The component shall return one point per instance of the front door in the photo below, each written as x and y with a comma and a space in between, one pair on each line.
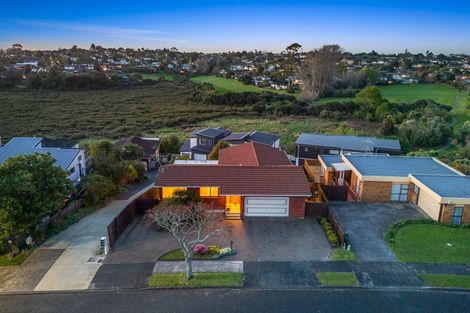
232, 207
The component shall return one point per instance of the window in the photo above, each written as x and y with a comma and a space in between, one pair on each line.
457, 217
79, 158
209, 191
416, 189
72, 170
358, 185
204, 142
168, 192
306, 149
399, 192
334, 151
322, 171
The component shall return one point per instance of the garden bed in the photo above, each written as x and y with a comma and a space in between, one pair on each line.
5, 260
198, 280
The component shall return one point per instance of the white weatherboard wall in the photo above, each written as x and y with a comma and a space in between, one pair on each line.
267, 206
429, 205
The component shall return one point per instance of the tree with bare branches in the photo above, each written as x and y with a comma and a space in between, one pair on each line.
318, 70
190, 223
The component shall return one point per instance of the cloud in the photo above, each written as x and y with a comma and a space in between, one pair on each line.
110, 31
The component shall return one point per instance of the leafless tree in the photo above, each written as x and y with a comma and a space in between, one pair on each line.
318, 70
190, 224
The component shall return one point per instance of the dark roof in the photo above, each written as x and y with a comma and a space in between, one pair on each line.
329, 159
253, 154
236, 136
213, 132
353, 143
186, 147
447, 186
264, 138
398, 166
286, 180
148, 145
202, 149
58, 143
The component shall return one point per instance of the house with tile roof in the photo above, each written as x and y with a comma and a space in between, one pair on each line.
249, 180
72, 160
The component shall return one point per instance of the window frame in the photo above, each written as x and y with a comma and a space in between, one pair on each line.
459, 216
399, 196
213, 192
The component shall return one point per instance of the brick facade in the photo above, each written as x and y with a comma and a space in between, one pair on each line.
297, 207
448, 213
375, 191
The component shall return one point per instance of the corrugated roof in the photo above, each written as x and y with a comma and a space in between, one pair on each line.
286, 180
253, 154
447, 186
397, 166
213, 132
29, 145
354, 143
236, 136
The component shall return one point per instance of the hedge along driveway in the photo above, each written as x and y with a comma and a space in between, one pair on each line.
432, 243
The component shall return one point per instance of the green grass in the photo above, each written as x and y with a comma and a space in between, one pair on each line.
157, 76
223, 85
178, 255
447, 281
429, 244
104, 113
340, 254
198, 280
5, 260
337, 278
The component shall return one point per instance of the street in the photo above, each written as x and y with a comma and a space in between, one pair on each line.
239, 300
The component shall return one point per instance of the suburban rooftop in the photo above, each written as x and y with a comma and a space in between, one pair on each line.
354, 143
398, 166
447, 186
253, 153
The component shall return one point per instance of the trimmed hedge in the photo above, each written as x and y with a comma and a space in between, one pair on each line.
391, 233
329, 230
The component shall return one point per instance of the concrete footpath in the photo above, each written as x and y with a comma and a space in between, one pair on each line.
78, 264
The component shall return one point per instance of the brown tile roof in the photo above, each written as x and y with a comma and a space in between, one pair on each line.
149, 145
283, 180
253, 154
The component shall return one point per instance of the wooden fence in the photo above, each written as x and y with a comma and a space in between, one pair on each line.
335, 193
337, 226
137, 207
316, 209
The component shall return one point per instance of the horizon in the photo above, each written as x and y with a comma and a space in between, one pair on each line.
212, 27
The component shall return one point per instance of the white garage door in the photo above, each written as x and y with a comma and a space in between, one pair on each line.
266, 206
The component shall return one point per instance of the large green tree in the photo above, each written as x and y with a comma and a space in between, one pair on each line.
31, 186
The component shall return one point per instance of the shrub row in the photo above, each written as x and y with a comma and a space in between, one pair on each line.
329, 230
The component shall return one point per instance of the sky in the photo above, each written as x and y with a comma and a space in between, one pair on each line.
225, 25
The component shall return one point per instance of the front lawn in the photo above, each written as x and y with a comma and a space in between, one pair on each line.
452, 281
178, 255
337, 278
5, 260
432, 243
198, 280
340, 254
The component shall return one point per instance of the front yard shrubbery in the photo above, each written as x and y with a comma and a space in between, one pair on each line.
200, 252
329, 230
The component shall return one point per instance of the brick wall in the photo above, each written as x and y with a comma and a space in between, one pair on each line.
297, 207
375, 191
448, 213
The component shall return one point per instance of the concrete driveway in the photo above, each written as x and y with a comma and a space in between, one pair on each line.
263, 239
366, 223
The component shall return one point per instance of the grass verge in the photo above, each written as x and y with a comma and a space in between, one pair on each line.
451, 281
178, 255
5, 260
340, 254
198, 280
337, 278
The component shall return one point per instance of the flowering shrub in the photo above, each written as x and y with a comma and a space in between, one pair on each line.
225, 251
200, 249
213, 249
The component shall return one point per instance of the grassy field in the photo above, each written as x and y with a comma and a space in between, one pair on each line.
432, 244
104, 113
157, 76
335, 279
446, 281
223, 85
198, 280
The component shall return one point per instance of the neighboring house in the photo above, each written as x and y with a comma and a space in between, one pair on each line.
71, 158
440, 191
309, 146
150, 146
200, 142
272, 140
249, 180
